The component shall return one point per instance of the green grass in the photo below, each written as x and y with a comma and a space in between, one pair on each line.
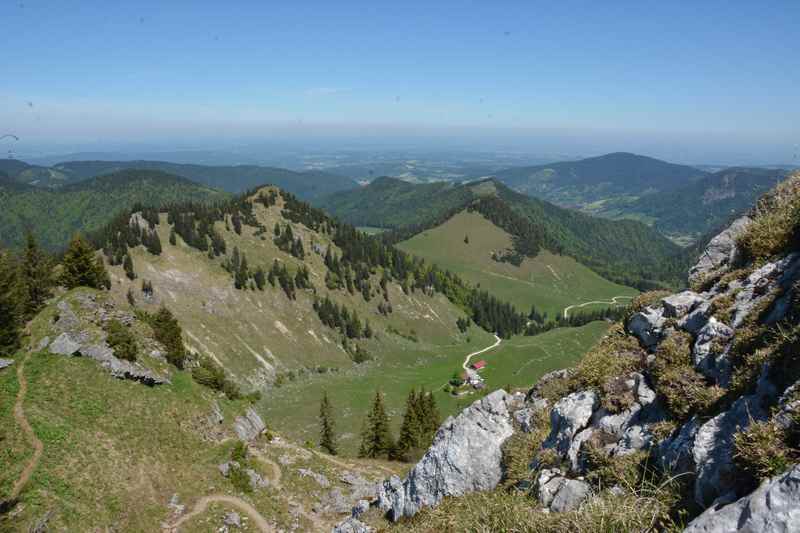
550, 282
519, 361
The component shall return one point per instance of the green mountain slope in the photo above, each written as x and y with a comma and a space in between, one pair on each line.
234, 179
53, 215
38, 176
578, 183
626, 252
467, 244
707, 204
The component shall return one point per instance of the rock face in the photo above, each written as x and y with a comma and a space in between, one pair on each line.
679, 305
465, 457
249, 426
721, 250
560, 494
774, 506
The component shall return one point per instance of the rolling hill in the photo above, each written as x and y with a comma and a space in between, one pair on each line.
626, 252
53, 215
234, 179
35, 175
578, 183
283, 338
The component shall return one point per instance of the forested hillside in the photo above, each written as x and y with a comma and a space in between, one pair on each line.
53, 215
578, 183
626, 252
233, 178
706, 204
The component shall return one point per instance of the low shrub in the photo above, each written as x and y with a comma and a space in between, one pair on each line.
776, 225
121, 340
761, 450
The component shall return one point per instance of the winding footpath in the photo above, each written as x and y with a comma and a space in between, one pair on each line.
473, 354
22, 421
613, 301
203, 503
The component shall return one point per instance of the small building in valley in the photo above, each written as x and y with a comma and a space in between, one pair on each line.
478, 365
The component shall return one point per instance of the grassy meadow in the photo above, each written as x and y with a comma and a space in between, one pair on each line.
550, 282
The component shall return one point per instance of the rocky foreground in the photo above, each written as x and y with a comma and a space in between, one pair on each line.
702, 387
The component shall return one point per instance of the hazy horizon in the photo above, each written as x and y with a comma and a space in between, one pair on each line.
707, 84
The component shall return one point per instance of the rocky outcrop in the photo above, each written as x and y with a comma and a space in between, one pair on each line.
721, 250
560, 494
249, 426
352, 525
648, 326
465, 457
710, 351
773, 506
568, 417
64, 344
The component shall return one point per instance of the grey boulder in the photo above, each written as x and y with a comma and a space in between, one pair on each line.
249, 426
679, 305
64, 344
569, 416
465, 457
6, 363
648, 326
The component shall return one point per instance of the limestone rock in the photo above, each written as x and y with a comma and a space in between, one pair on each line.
759, 286
465, 457
321, 480
548, 483
773, 506
716, 366
257, 481
679, 305
249, 426
555, 375
570, 495
352, 525
694, 321
648, 326
64, 344
361, 507
233, 519
713, 445
721, 250
674, 453
6, 363
569, 416
225, 468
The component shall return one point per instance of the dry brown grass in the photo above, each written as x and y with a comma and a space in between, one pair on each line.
776, 224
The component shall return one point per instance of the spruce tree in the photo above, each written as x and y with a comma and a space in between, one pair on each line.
127, 264
9, 308
327, 440
81, 268
376, 438
35, 280
411, 432
168, 332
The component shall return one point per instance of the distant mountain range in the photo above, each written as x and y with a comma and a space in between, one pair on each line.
234, 179
53, 215
680, 201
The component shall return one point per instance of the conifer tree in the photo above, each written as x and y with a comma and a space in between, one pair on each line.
376, 439
81, 269
411, 432
168, 332
327, 440
432, 419
127, 264
9, 309
260, 278
35, 280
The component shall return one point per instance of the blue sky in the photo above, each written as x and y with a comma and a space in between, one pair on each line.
682, 77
